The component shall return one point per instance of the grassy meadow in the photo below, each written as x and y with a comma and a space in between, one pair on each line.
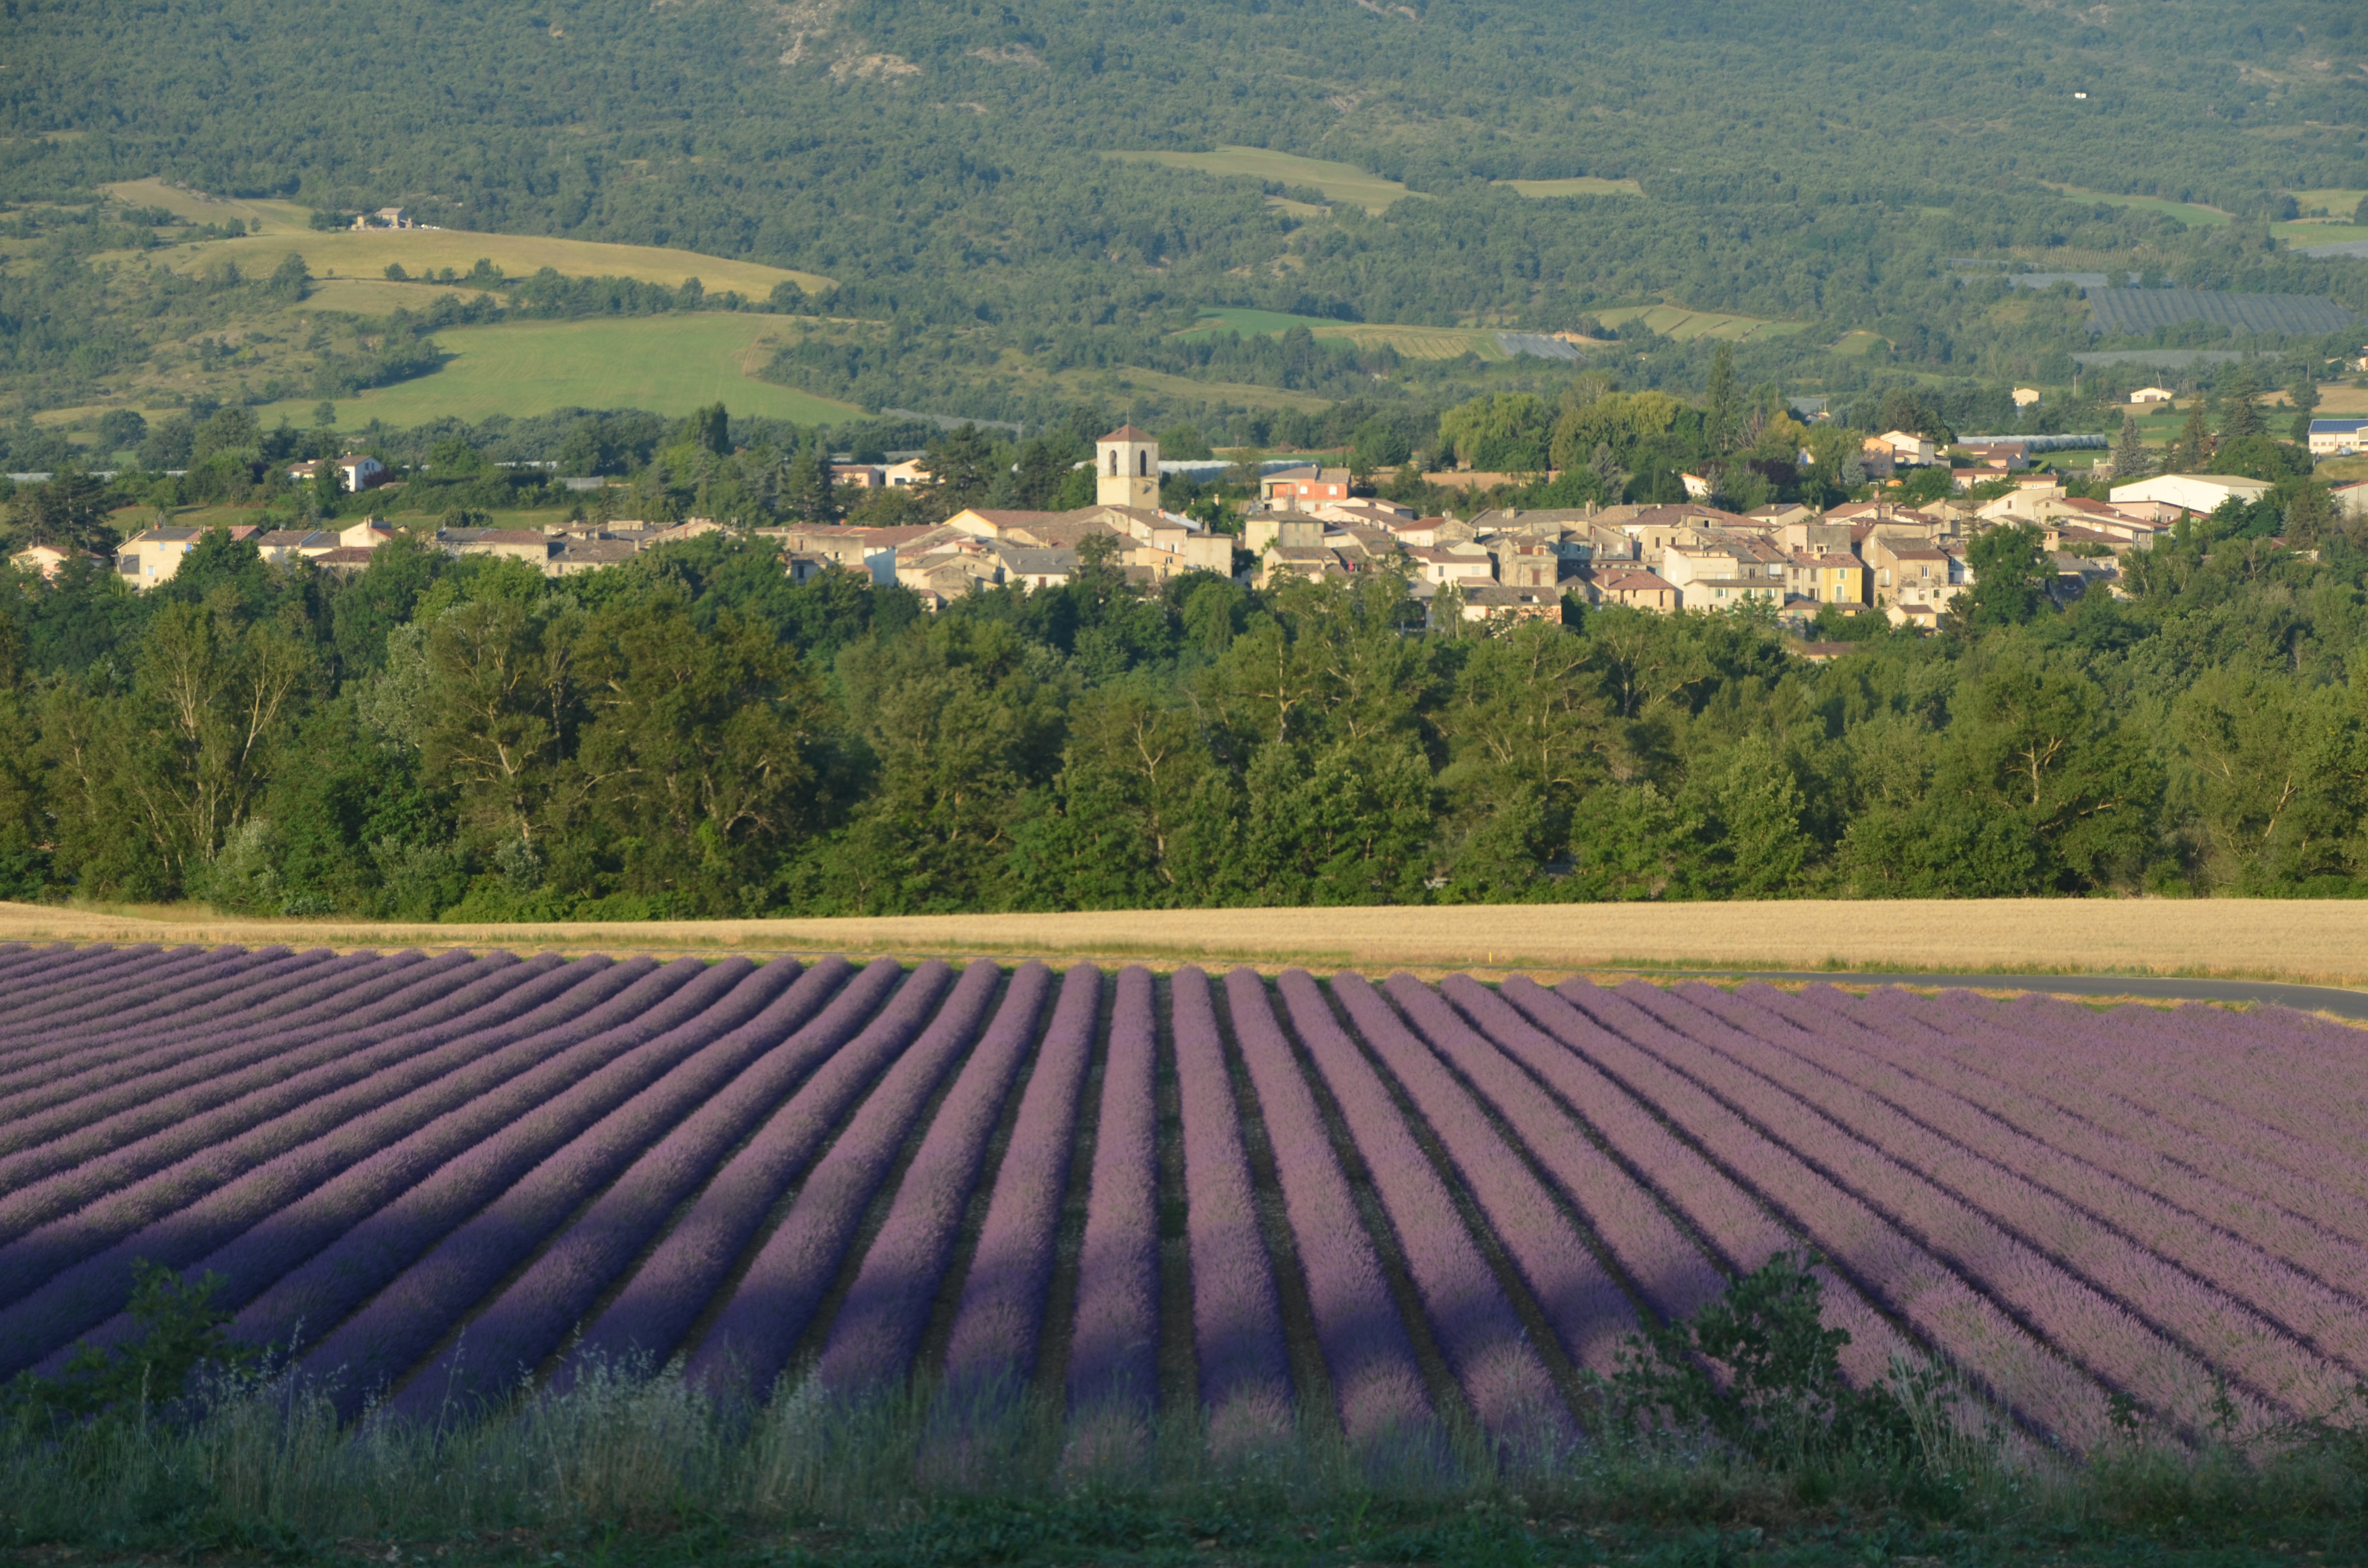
2191, 212
1343, 183
261, 217
1582, 185
669, 364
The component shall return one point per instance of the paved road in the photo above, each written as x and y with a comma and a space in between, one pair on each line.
2308, 998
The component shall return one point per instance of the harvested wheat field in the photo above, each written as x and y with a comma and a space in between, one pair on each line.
2323, 942
1267, 1208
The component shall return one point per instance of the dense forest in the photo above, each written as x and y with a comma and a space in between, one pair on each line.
694, 733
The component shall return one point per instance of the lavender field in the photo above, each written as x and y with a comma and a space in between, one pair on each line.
1385, 1209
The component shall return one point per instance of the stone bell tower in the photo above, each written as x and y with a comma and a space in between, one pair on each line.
1126, 469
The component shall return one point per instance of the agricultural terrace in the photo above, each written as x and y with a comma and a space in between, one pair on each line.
669, 364
367, 252
1413, 342
1676, 320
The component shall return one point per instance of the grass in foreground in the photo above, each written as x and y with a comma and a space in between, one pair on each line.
1727, 1439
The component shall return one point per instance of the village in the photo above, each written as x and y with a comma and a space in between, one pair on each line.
1903, 563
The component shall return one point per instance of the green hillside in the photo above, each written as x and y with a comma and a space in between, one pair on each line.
1034, 195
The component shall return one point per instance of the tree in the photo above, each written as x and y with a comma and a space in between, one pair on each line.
696, 758
150, 784
2131, 460
2239, 416
69, 511
2034, 742
2009, 573
1376, 445
1720, 417
290, 280
2304, 396
1756, 805
811, 497
2194, 447
328, 485
501, 708
1035, 478
1499, 431
122, 429
1185, 443
710, 427
962, 470
2310, 516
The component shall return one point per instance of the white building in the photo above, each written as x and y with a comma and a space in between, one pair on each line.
2336, 438
2195, 492
354, 472
2153, 394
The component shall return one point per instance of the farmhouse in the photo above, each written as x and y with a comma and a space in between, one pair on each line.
355, 473
152, 555
46, 559
2153, 394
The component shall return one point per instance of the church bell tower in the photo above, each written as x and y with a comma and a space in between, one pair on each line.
1126, 469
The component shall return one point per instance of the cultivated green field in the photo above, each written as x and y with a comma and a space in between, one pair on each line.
1584, 185
1676, 320
2317, 231
1851, 345
1414, 342
669, 364
366, 253
2185, 211
1338, 182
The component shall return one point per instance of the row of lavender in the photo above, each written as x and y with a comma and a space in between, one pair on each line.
436, 1176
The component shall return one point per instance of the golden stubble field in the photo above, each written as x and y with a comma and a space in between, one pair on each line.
2321, 942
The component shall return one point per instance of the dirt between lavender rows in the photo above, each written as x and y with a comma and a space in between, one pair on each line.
2322, 942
